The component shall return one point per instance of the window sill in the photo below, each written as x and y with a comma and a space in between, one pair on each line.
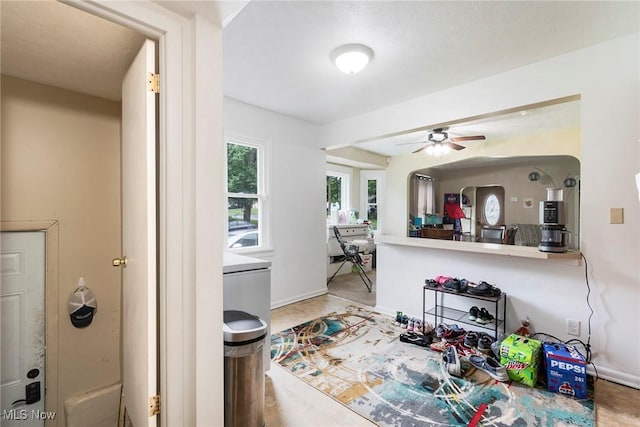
253, 252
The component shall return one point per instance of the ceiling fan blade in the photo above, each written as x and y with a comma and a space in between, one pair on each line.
467, 138
455, 146
420, 149
409, 143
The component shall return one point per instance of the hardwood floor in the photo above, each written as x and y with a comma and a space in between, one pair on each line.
291, 402
350, 286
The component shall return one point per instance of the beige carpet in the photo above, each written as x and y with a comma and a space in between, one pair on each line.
350, 286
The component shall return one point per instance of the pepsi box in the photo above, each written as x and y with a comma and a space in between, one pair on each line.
566, 370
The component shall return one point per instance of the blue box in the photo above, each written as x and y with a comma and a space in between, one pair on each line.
566, 370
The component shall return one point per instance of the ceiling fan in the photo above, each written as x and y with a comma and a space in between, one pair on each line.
439, 141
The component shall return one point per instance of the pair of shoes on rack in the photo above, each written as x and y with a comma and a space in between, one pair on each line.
483, 289
441, 279
480, 315
430, 283
484, 317
455, 285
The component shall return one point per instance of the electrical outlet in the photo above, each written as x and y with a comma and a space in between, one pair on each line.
573, 327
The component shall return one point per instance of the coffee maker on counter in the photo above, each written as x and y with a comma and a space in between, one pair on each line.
552, 222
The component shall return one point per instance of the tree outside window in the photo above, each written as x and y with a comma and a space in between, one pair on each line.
337, 192
372, 203
244, 199
334, 193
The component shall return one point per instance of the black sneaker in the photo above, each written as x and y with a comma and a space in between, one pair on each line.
484, 317
453, 285
417, 339
484, 289
484, 344
473, 313
430, 283
471, 339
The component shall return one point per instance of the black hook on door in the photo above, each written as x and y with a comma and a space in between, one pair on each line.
32, 394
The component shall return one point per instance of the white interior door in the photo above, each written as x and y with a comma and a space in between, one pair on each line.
139, 331
22, 311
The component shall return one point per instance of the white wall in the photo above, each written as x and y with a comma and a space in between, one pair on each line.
606, 78
298, 223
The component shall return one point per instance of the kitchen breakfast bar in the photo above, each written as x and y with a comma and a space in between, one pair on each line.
403, 264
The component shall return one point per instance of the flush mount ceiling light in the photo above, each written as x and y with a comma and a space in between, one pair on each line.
351, 58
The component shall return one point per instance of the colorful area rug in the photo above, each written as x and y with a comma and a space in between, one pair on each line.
356, 358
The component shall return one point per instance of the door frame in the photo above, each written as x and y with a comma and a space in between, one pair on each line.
190, 132
50, 229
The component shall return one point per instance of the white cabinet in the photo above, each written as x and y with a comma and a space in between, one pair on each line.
247, 287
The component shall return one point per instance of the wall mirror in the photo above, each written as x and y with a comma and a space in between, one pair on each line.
494, 193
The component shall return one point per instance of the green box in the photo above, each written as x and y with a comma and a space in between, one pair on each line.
521, 357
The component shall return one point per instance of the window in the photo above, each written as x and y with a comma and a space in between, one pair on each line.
371, 197
246, 194
337, 193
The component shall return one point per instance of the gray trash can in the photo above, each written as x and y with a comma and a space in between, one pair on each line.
244, 338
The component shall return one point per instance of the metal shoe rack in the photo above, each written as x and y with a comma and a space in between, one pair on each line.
442, 312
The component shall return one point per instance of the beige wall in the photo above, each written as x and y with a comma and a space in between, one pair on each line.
517, 187
61, 161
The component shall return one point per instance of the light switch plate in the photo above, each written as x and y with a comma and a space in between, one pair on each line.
616, 216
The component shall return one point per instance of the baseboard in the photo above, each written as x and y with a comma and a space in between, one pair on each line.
385, 310
616, 377
298, 298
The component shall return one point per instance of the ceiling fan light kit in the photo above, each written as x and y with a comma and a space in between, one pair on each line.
437, 150
352, 58
439, 142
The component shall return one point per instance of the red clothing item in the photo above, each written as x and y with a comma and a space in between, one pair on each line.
453, 210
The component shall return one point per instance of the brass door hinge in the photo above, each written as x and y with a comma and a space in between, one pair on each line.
154, 405
119, 262
153, 82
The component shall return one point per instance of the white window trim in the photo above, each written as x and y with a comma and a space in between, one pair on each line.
264, 190
379, 177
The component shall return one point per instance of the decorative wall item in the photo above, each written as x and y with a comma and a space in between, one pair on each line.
527, 203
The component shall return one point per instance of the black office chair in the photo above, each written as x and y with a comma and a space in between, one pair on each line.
351, 254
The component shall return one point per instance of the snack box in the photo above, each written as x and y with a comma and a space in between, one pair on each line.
520, 356
566, 370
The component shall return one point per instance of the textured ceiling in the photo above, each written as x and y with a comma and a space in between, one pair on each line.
276, 54
55, 44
